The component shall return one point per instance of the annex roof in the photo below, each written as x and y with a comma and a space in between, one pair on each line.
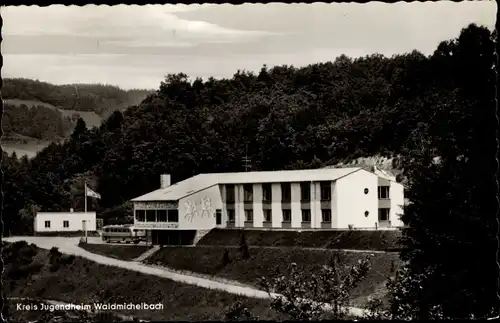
203, 181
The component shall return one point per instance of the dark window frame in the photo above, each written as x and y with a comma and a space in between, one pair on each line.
326, 212
386, 212
306, 212
173, 216
64, 224
305, 191
140, 215
247, 212
247, 192
230, 198
159, 217
267, 188
268, 213
286, 192
326, 187
384, 192
288, 212
47, 224
231, 216
150, 212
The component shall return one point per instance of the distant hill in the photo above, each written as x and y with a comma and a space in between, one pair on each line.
99, 98
37, 113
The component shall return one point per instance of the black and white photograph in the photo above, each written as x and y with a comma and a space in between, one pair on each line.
274, 162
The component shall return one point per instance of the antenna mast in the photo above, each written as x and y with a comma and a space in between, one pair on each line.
246, 160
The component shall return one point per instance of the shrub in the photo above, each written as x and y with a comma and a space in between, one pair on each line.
304, 298
239, 312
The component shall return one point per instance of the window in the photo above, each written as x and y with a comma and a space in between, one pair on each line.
367, 213
248, 192
326, 191
66, 224
267, 192
366, 191
47, 224
140, 215
326, 215
248, 215
287, 215
173, 216
383, 214
286, 192
218, 217
305, 191
230, 193
161, 215
306, 215
267, 216
383, 192
230, 215
150, 215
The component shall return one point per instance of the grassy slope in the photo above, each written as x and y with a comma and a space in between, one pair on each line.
361, 240
264, 261
91, 118
124, 252
30, 146
82, 281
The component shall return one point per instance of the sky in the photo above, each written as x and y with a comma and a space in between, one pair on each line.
136, 46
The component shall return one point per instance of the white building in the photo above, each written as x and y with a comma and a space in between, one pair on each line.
338, 198
64, 221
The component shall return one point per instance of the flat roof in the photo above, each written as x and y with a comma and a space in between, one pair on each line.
202, 181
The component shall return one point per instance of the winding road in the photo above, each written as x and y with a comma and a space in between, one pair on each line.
70, 246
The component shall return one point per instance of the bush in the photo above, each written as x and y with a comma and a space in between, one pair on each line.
304, 298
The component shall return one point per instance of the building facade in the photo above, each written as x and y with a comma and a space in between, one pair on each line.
65, 221
321, 199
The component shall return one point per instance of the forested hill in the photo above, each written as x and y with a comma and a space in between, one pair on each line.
283, 117
98, 98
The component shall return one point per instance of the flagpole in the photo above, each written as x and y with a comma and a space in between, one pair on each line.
85, 228
85, 183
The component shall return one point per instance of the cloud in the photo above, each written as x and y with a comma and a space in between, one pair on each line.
155, 25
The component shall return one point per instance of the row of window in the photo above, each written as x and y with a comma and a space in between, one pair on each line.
326, 215
286, 192
157, 215
65, 224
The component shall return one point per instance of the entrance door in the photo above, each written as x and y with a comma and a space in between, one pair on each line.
218, 217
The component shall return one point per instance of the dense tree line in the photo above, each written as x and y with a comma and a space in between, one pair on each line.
99, 98
410, 106
38, 122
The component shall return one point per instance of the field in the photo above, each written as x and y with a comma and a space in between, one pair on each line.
91, 118
124, 252
360, 240
263, 262
42, 274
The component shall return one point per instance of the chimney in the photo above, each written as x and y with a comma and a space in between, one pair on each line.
71, 210
164, 180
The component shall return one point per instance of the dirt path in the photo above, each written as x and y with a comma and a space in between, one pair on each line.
70, 246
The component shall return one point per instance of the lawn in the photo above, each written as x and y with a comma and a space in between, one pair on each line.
264, 261
42, 274
122, 252
331, 239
